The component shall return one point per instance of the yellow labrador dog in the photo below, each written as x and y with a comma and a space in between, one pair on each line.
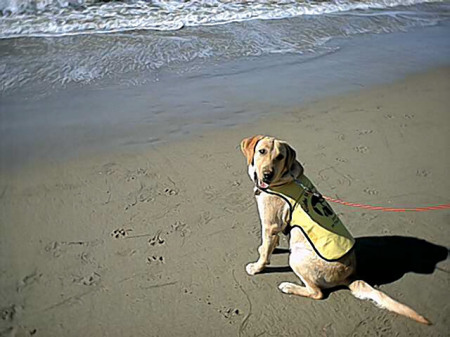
321, 249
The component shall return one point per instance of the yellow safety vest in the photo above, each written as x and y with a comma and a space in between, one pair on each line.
315, 217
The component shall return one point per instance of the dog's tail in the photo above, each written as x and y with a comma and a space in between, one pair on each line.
364, 291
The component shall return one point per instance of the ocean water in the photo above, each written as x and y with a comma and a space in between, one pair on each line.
69, 17
47, 45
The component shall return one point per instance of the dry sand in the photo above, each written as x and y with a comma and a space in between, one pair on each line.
155, 243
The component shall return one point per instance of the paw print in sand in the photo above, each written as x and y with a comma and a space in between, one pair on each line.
155, 259
120, 233
179, 227
157, 239
228, 312
170, 192
89, 280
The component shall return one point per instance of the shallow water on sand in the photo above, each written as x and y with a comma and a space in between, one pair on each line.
88, 119
60, 96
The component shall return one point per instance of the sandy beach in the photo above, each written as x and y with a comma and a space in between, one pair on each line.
126, 209
153, 242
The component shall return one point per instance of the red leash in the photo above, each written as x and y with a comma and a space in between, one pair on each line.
374, 208
387, 209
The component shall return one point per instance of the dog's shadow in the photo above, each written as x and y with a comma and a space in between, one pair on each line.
385, 259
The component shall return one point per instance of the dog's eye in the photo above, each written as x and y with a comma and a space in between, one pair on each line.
280, 157
262, 151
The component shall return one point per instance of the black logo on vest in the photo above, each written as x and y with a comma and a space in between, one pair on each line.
319, 210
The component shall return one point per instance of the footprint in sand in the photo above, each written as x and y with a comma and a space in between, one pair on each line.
141, 171
89, 280
126, 252
170, 191
127, 207
53, 248
17, 331
179, 227
236, 183
206, 156
108, 169
342, 160
361, 149
28, 281
146, 195
120, 233
210, 192
87, 258
228, 312
423, 173
11, 312
370, 191
227, 166
155, 259
205, 218
365, 132
156, 240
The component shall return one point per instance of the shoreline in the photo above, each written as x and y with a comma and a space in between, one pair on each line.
77, 121
302, 111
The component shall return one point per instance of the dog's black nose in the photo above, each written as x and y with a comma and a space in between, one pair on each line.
267, 177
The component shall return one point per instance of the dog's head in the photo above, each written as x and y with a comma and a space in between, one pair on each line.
271, 162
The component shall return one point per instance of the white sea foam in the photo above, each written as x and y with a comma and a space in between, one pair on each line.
72, 17
87, 57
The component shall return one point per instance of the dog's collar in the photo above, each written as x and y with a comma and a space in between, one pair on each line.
307, 189
259, 189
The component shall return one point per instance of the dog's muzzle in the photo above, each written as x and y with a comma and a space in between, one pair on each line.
260, 184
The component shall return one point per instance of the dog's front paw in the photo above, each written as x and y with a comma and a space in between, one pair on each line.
253, 268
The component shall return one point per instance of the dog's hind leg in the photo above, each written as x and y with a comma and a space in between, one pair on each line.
310, 289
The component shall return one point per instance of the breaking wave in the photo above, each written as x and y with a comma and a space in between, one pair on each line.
37, 18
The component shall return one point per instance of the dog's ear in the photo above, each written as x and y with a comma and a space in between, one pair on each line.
293, 167
248, 147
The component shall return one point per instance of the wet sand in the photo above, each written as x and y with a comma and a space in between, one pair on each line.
110, 116
153, 242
